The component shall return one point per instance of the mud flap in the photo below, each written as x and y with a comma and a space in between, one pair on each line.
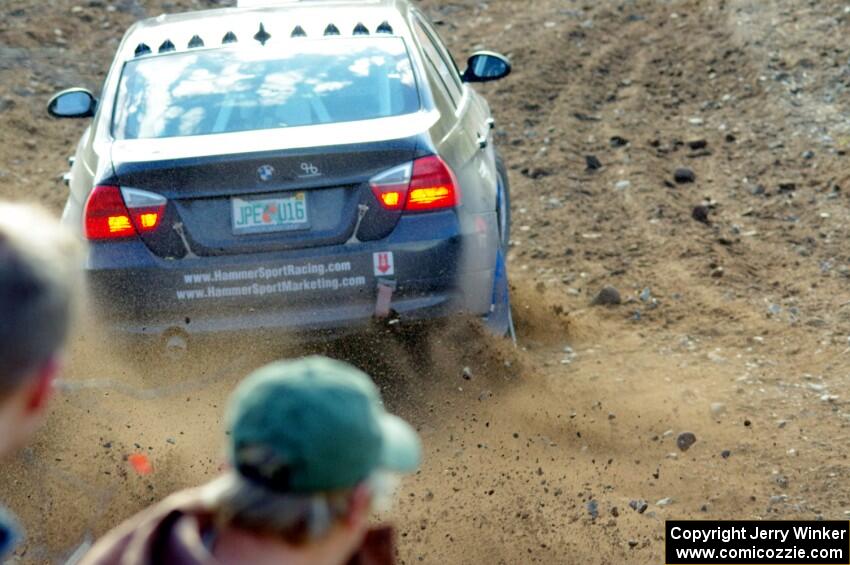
500, 320
383, 304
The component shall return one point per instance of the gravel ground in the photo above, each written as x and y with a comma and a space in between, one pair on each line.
716, 205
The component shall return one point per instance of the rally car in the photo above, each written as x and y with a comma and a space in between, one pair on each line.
289, 167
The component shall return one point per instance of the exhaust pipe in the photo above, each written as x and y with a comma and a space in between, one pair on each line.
176, 344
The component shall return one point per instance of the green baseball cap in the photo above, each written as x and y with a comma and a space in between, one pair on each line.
315, 425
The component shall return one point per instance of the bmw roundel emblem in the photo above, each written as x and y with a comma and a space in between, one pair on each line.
266, 172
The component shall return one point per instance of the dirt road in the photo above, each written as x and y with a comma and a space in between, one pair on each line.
734, 328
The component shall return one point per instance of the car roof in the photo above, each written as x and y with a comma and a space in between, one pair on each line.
278, 18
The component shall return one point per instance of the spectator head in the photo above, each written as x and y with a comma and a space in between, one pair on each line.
38, 274
313, 452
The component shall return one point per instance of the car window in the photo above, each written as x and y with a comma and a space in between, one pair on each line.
442, 98
447, 73
444, 52
226, 90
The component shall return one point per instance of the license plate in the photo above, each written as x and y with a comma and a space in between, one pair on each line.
288, 213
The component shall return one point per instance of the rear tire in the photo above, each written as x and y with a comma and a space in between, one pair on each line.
500, 319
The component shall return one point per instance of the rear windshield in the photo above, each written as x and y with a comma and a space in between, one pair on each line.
305, 82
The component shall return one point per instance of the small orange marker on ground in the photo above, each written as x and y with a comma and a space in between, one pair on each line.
140, 463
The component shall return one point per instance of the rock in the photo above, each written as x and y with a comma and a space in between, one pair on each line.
126, 6
645, 295
593, 163
536, 172
685, 440
717, 273
593, 509
633, 543
725, 454
615, 512
715, 357
718, 409
664, 502
808, 155
697, 144
586, 117
467, 373
618, 141
623, 185
638, 506
608, 296
684, 176
700, 214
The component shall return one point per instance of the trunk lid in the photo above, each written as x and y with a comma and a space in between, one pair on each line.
249, 202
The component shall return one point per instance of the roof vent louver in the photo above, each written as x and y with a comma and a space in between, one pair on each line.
360, 29
299, 32
262, 36
229, 37
142, 49
385, 27
196, 42
167, 46
331, 30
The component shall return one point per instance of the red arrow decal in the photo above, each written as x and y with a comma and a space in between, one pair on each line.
383, 263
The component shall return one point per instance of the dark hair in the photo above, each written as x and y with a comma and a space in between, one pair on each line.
38, 276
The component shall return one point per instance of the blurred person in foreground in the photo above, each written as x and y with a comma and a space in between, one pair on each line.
312, 453
39, 272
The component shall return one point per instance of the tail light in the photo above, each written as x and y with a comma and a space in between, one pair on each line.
433, 186
119, 213
425, 184
390, 187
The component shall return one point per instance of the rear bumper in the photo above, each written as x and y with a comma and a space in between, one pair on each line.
439, 265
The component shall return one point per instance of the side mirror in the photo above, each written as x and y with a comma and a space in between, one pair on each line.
485, 66
72, 103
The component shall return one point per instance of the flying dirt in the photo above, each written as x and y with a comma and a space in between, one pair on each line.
681, 291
